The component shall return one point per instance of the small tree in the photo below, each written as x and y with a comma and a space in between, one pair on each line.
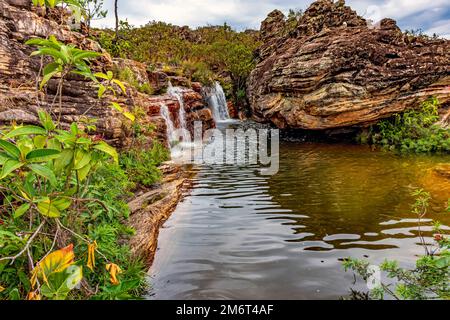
92, 10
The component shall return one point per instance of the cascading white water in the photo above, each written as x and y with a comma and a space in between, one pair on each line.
178, 94
218, 103
169, 123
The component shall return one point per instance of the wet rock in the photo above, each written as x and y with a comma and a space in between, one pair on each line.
335, 70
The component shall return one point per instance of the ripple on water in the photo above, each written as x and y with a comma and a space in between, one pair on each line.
239, 235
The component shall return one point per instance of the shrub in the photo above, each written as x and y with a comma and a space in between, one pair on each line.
413, 131
142, 165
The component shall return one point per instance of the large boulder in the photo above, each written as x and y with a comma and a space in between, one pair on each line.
336, 70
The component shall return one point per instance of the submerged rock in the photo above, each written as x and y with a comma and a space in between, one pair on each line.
334, 69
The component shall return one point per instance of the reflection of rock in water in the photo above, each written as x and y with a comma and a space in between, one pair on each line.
437, 182
344, 189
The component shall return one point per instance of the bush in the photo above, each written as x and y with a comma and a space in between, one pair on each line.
142, 165
59, 189
413, 131
127, 75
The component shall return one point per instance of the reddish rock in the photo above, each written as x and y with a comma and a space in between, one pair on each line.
232, 110
335, 71
177, 81
158, 80
20, 102
197, 87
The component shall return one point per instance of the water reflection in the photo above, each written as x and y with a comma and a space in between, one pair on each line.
238, 235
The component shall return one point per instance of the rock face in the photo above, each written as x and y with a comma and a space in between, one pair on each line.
20, 101
336, 70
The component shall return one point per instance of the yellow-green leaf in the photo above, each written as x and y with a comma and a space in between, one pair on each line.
47, 209
57, 261
39, 141
129, 116
9, 167
121, 85
106, 148
83, 172
62, 203
101, 90
117, 106
21, 210
82, 158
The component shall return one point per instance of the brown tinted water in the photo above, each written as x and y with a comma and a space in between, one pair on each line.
240, 235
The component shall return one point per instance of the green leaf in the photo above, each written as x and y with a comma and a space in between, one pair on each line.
64, 160
21, 210
121, 85
101, 91
130, 116
62, 203
10, 149
14, 294
86, 55
44, 172
48, 210
24, 131
82, 158
9, 167
47, 78
55, 54
101, 75
51, 67
46, 120
42, 155
3, 158
106, 148
83, 172
110, 75
117, 106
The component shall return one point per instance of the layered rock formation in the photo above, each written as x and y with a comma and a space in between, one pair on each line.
335, 70
20, 101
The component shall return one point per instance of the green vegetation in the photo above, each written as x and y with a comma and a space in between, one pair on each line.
127, 75
142, 166
429, 279
64, 188
92, 10
205, 54
412, 131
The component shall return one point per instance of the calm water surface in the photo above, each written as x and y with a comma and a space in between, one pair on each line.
240, 235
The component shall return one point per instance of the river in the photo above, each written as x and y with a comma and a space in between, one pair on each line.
240, 235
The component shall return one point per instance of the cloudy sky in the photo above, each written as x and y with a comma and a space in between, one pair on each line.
432, 16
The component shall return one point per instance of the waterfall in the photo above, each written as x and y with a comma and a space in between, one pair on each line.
178, 94
218, 103
169, 123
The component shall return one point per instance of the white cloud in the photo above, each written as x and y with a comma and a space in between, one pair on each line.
411, 14
441, 28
